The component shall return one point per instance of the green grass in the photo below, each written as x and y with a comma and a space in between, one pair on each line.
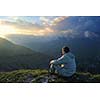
20, 76
26, 76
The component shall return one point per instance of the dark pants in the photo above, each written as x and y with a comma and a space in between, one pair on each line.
56, 69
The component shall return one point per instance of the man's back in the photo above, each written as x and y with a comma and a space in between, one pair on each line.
67, 61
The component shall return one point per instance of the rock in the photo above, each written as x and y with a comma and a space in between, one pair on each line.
76, 78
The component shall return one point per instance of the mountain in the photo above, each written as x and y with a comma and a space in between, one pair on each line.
13, 57
7, 48
80, 26
89, 46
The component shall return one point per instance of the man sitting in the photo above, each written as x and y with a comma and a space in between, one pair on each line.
65, 65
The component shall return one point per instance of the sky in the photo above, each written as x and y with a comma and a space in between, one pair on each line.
31, 25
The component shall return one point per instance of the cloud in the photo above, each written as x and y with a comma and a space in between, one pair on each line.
57, 20
47, 25
67, 31
53, 24
24, 27
51, 21
45, 20
88, 34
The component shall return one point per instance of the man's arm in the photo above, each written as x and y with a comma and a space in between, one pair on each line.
59, 61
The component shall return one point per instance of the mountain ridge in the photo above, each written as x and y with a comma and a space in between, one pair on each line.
14, 57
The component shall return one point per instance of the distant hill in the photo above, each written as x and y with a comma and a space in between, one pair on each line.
8, 48
83, 47
13, 57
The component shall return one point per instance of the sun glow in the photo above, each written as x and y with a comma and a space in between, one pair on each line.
4, 30
20, 27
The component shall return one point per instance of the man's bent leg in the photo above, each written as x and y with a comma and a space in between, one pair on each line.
51, 73
52, 69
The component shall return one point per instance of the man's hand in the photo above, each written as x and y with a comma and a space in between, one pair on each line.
52, 61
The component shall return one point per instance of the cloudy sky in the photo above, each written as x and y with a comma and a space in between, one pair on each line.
31, 25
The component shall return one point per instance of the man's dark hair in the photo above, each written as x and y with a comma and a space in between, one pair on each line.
66, 49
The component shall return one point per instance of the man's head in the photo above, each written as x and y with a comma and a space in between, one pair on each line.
65, 49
